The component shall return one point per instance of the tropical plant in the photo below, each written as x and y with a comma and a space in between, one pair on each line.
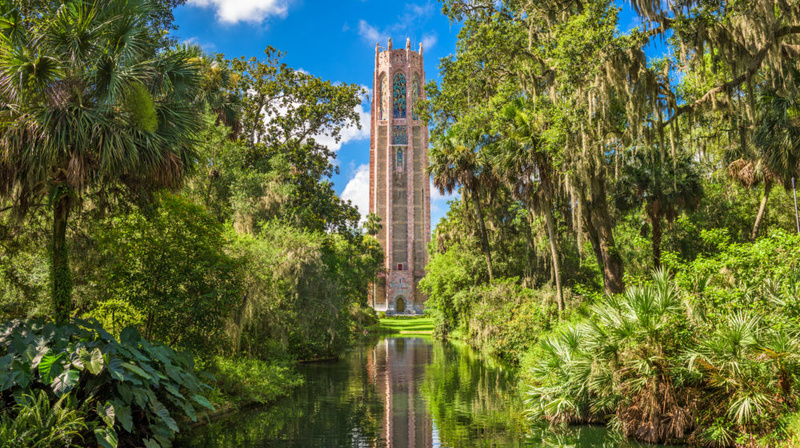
776, 141
455, 162
663, 187
131, 388
748, 369
89, 100
35, 422
529, 172
619, 363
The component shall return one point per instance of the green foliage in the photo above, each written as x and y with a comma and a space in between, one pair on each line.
34, 422
253, 380
181, 296
744, 277
653, 366
507, 320
300, 290
93, 103
130, 389
140, 106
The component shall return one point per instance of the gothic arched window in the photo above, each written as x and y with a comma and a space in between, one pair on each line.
399, 96
415, 94
379, 96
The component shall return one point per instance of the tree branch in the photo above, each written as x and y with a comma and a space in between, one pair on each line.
751, 70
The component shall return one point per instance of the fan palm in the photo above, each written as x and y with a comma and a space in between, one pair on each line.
776, 141
453, 162
88, 99
664, 187
528, 170
619, 363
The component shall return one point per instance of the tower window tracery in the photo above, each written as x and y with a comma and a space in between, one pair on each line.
415, 94
399, 95
399, 135
381, 82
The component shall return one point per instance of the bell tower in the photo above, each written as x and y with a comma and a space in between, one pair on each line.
399, 189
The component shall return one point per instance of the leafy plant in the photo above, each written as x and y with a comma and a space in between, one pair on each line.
132, 387
179, 296
254, 380
35, 422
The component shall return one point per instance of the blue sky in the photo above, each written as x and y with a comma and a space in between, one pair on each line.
332, 39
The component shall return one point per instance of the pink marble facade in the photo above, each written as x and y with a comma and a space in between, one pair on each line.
400, 192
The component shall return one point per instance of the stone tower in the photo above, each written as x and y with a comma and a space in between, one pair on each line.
399, 189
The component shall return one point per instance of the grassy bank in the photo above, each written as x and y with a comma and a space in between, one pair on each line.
405, 325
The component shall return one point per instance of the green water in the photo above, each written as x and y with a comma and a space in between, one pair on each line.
400, 393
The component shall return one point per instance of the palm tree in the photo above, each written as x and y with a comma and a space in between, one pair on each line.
528, 170
89, 99
618, 363
373, 224
664, 187
776, 142
453, 162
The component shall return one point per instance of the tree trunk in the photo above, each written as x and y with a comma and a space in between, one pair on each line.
551, 235
530, 252
60, 274
761, 209
655, 221
598, 224
484, 238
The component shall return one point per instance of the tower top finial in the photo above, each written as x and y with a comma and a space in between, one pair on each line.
408, 43
390, 44
420, 48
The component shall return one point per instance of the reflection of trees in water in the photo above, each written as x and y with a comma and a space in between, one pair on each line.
472, 399
338, 406
580, 437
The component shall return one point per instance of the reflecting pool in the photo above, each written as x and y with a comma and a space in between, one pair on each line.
400, 393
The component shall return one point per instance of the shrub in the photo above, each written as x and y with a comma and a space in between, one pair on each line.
507, 319
650, 365
36, 422
131, 387
254, 380
171, 267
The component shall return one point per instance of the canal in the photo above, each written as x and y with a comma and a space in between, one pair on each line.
401, 393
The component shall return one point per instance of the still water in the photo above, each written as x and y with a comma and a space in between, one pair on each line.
399, 393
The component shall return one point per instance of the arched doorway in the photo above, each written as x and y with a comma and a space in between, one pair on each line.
400, 306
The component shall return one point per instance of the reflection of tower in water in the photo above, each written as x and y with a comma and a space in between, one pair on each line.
398, 366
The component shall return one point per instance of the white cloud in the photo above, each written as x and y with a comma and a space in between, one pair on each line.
370, 33
357, 190
413, 18
415, 12
428, 41
252, 11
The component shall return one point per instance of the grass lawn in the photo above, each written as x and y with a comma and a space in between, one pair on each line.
407, 325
